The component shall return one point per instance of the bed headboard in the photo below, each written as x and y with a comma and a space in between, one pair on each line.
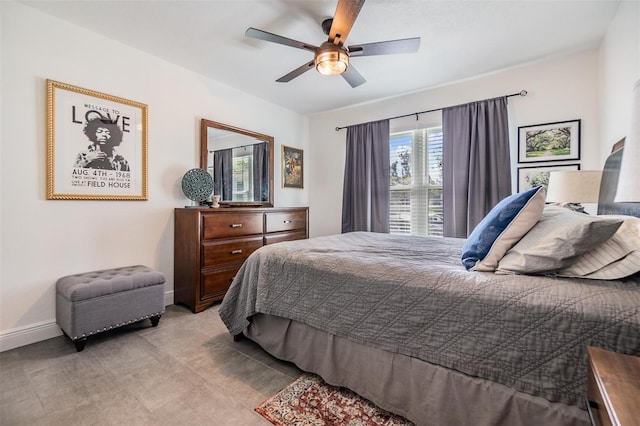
609, 186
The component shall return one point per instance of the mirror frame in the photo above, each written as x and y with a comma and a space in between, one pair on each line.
204, 125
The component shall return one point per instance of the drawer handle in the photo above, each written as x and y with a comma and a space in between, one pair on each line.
236, 252
287, 221
236, 225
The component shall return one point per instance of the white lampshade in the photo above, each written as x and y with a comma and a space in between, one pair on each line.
629, 179
574, 186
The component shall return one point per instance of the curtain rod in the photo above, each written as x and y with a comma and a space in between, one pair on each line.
520, 93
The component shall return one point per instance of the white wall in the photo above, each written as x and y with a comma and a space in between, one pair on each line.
1, 180
619, 70
558, 90
43, 240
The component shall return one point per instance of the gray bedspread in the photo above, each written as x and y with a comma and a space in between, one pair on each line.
411, 295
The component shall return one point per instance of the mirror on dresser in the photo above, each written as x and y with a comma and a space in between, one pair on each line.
240, 162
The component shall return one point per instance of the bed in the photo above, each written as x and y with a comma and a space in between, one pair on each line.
400, 321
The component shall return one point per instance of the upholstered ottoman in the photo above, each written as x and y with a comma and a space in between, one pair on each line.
97, 301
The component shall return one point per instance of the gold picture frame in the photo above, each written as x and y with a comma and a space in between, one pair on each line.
292, 167
96, 145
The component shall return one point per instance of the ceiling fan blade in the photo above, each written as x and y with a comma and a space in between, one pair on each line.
353, 77
346, 13
406, 45
297, 72
274, 38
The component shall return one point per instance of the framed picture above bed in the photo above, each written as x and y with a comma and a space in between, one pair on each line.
529, 177
558, 141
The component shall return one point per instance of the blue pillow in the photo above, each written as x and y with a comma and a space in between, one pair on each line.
502, 228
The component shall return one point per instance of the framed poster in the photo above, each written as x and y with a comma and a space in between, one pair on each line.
529, 177
292, 167
96, 145
558, 141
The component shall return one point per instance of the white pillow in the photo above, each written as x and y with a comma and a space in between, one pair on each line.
556, 241
616, 258
628, 265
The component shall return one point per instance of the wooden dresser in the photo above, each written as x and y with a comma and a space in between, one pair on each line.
210, 245
613, 392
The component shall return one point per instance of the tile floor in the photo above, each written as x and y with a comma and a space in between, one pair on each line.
186, 371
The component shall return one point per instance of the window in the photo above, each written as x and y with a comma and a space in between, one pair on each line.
243, 177
416, 182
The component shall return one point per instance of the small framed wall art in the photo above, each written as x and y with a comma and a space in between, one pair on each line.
96, 145
558, 141
292, 167
529, 177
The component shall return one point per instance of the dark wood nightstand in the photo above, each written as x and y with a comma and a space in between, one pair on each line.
613, 392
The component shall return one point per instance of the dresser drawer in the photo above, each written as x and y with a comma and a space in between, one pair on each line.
225, 225
285, 221
285, 236
216, 282
217, 253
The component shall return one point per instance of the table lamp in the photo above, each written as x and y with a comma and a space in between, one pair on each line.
574, 187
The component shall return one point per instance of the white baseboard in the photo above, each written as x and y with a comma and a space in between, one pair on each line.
168, 298
32, 333
28, 334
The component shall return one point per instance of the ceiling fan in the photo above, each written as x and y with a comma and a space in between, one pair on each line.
332, 56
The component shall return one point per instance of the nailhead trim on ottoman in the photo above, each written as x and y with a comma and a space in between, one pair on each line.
97, 301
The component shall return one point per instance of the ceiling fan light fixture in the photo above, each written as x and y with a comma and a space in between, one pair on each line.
332, 56
332, 60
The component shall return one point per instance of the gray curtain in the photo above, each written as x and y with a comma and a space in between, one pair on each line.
260, 178
476, 163
223, 174
365, 199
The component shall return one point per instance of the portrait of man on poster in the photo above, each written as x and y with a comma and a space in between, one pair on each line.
102, 153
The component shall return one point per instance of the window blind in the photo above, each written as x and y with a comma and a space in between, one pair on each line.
416, 182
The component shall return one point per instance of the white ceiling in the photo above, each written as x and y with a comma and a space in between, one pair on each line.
460, 39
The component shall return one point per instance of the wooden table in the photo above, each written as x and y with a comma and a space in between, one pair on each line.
614, 388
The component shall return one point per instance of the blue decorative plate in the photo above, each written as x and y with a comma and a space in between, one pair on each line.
197, 185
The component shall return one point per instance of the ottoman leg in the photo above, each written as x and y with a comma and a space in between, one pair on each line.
155, 320
80, 344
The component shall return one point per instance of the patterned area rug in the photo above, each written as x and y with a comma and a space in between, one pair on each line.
310, 401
